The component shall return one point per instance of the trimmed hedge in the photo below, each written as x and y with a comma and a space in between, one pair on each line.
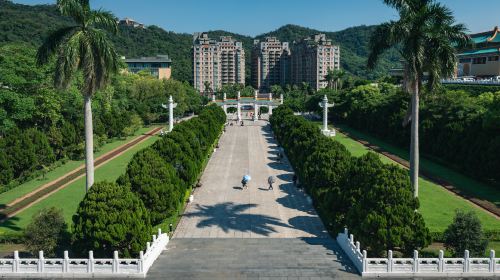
374, 200
158, 177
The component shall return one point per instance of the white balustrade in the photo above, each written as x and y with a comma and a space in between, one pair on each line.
416, 266
88, 268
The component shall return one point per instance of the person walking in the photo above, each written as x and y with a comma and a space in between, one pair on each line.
270, 181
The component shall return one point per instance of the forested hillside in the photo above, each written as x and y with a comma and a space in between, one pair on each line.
29, 24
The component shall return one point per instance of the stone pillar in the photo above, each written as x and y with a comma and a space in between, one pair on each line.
238, 109
415, 261
255, 111
224, 97
389, 261
170, 113
116, 262
281, 98
239, 106
270, 110
66, 262
324, 104
41, 261
492, 261
270, 96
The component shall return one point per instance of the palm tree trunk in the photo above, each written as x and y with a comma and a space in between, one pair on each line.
89, 143
414, 153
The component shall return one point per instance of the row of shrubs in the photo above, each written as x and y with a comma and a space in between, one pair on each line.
458, 127
120, 216
374, 200
25, 153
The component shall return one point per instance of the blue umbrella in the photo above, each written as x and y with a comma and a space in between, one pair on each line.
247, 178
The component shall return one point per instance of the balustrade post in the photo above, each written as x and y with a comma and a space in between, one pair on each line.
141, 262
40, 261
492, 261
441, 261
148, 246
66, 262
389, 261
358, 246
364, 262
351, 239
15, 262
159, 232
415, 261
116, 262
90, 265
466, 261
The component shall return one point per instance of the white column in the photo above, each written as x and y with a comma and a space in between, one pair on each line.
170, 113
239, 110
324, 104
255, 111
281, 98
270, 110
239, 106
270, 96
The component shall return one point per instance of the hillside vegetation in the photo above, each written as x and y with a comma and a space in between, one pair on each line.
29, 24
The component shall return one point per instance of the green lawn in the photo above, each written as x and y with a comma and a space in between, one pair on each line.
59, 171
69, 197
437, 205
466, 184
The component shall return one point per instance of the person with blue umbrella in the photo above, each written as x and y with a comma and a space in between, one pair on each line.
245, 181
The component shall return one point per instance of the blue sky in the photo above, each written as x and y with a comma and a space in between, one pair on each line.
253, 17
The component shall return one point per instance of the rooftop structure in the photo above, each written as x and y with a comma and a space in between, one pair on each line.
130, 22
312, 58
270, 63
217, 63
482, 58
159, 66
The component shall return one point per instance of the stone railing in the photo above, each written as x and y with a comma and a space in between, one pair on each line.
87, 268
417, 267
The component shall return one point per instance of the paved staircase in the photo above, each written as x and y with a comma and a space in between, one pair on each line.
252, 258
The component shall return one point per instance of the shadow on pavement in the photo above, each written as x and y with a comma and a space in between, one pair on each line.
330, 245
229, 216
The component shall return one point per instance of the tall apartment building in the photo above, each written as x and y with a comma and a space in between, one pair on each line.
311, 59
217, 63
270, 63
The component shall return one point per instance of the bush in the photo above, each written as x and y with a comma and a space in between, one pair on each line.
109, 218
156, 182
374, 200
45, 231
465, 233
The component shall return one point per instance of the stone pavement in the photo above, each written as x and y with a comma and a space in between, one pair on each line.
232, 233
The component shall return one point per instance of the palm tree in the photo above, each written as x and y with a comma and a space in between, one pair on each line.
334, 78
82, 48
425, 35
330, 78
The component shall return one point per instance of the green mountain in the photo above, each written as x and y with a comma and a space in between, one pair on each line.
30, 24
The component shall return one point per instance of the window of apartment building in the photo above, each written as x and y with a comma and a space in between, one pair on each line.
493, 58
479, 60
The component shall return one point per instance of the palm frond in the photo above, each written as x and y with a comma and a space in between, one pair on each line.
76, 9
52, 43
68, 60
382, 39
103, 19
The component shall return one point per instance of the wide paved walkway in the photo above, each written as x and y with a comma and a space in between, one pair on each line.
232, 233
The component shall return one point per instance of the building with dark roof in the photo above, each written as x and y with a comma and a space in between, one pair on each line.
481, 59
159, 66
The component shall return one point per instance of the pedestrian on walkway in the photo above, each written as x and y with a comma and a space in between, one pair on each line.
270, 181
